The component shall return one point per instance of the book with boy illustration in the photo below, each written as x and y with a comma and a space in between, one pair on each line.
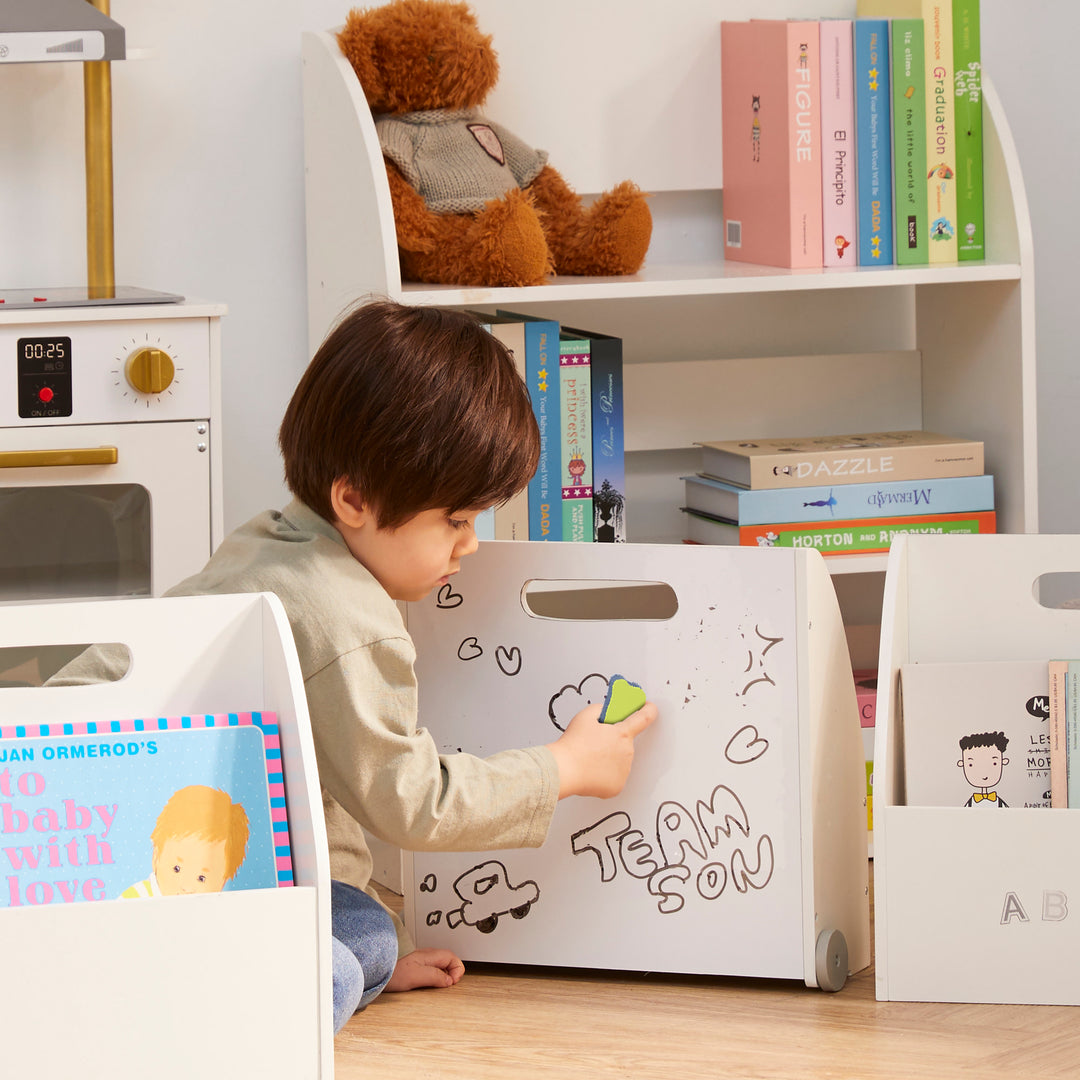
976, 734
141, 808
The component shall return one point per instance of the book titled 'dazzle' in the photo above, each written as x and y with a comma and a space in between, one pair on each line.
841, 459
770, 74
141, 808
975, 734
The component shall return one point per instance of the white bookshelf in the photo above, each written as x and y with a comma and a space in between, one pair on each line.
713, 350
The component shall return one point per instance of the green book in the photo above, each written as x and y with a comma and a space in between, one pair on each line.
575, 392
970, 232
909, 142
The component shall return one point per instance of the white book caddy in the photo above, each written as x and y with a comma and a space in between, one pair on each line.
230, 985
738, 846
972, 906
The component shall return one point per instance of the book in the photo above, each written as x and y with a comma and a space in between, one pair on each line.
1072, 733
866, 699
855, 536
1057, 672
967, 74
104, 810
575, 391
940, 130
841, 459
770, 75
873, 135
839, 212
975, 734
897, 498
909, 142
511, 518
609, 461
542, 378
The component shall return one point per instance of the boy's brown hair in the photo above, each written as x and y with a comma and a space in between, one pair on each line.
418, 407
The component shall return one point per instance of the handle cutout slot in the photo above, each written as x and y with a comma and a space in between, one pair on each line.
599, 601
1058, 590
34, 665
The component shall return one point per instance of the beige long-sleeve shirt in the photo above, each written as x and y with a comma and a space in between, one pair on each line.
378, 769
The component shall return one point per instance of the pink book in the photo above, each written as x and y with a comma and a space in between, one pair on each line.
771, 115
838, 205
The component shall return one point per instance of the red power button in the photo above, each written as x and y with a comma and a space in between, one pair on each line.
45, 394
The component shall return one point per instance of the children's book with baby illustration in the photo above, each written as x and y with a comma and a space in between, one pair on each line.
976, 734
139, 808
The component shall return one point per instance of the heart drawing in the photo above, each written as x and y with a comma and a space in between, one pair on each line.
745, 745
509, 660
469, 649
447, 598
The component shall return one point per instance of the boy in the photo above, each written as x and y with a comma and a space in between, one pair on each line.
407, 423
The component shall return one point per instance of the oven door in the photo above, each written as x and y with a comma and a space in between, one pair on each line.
103, 510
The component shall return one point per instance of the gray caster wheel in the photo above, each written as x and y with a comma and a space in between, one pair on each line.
831, 960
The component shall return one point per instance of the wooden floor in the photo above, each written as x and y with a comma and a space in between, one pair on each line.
504, 1023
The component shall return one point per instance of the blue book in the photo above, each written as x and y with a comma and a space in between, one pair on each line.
842, 502
873, 142
609, 465
542, 377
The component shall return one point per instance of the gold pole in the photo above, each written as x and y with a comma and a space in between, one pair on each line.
97, 104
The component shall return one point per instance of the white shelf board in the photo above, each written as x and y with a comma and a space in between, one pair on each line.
710, 278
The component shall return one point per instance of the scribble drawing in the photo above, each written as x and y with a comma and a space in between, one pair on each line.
469, 649
570, 699
765, 637
486, 893
509, 660
754, 682
434, 918
447, 598
745, 745
429, 884
723, 811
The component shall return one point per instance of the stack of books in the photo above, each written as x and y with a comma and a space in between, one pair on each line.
575, 382
854, 141
841, 494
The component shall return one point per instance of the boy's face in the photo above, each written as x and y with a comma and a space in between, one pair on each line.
190, 864
411, 560
982, 766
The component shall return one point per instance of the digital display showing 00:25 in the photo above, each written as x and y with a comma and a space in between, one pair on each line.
38, 350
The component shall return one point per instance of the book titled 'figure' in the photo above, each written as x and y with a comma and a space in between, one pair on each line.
771, 117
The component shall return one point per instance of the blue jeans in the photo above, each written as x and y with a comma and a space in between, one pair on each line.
365, 949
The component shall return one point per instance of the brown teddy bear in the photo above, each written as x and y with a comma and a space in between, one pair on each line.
473, 204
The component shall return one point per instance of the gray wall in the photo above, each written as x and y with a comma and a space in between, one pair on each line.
209, 198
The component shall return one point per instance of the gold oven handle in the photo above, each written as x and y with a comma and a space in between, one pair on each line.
37, 459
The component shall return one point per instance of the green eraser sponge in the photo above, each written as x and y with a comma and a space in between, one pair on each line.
623, 698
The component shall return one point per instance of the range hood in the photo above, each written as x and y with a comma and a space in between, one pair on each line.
32, 31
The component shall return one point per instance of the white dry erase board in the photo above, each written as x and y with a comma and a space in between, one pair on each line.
705, 862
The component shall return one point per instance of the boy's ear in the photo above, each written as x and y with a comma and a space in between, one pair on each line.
348, 504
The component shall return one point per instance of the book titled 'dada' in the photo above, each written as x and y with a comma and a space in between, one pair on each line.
841, 459
770, 75
130, 809
976, 734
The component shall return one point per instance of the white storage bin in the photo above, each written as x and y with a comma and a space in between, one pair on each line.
232, 984
738, 846
971, 906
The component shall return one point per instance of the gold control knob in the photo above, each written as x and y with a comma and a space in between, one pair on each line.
149, 370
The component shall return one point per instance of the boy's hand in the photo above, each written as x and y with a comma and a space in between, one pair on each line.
594, 758
426, 967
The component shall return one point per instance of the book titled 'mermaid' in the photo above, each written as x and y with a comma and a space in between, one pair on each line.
140, 808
